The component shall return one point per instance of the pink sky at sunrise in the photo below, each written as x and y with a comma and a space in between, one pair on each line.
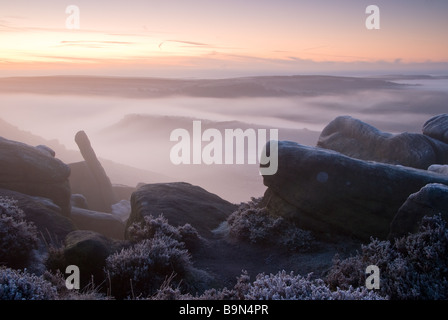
184, 38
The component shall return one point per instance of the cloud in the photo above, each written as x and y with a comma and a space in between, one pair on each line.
94, 43
191, 43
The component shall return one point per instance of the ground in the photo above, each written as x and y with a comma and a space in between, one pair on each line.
225, 259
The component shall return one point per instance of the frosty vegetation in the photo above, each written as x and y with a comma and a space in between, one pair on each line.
157, 264
18, 236
413, 267
252, 222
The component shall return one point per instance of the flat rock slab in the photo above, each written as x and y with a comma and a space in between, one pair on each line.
330, 193
106, 224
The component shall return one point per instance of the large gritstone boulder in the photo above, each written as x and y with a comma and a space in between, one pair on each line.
180, 203
360, 140
34, 171
330, 193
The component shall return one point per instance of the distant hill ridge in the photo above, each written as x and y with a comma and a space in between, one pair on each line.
261, 86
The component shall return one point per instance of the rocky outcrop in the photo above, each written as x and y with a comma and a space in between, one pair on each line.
180, 203
100, 195
89, 250
442, 169
432, 199
45, 215
34, 171
357, 139
122, 210
437, 127
79, 201
330, 193
104, 223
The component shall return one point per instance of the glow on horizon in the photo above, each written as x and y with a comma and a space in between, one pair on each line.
203, 34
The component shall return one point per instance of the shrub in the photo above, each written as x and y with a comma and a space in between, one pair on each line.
280, 286
147, 229
142, 268
55, 260
151, 226
20, 285
57, 279
18, 237
287, 286
413, 267
255, 224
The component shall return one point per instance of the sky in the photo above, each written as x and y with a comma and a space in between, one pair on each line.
209, 38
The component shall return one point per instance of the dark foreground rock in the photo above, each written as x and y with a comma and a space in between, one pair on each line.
330, 193
432, 199
437, 127
45, 215
360, 140
89, 250
34, 172
180, 203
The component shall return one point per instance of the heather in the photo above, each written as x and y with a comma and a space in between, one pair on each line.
18, 236
412, 267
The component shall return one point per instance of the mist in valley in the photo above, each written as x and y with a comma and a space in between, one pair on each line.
136, 131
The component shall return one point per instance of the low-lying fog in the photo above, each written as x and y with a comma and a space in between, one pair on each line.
131, 142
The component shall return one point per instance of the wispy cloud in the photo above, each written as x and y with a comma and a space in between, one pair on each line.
94, 43
190, 43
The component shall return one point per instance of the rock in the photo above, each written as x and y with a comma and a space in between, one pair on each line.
357, 139
45, 215
330, 193
432, 199
442, 169
88, 250
123, 192
180, 203
82, 182
79, 201
100, 180
100, 222
29, 170
437, 127
46, 150
122, 210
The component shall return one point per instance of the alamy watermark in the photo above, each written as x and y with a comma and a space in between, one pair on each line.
373, 279
73, 280
228, 149
373, 20
73, 20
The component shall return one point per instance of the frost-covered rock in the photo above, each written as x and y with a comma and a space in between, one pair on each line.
330, 193
106, 224
122, 210
437, 127
442, 169
360, 140
430, 200
180, 203
43, 213
79, 201
29, 170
